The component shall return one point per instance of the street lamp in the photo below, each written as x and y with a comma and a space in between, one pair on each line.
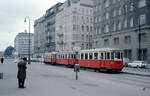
29, 39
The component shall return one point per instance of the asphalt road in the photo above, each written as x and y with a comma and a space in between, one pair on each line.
47, 80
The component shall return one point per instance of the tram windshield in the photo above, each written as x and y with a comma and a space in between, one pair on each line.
118, 55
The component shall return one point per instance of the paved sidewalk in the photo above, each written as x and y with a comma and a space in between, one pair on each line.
137, 71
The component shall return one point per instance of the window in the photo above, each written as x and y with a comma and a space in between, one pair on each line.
87, 20
142, 37
107, 15
114, 13
128, 53
90, 56
74, 28
142, 3
82, 10
82, 56
106, 42
106, 3
119, 11
131, 7
114, 1
86, 56
131, 22
142, 19
74, 18
108, 56
142, 54
106, 28
95, 56
119, 25
114, 26
125, 23
125, 9
82, 28
83, 19
87, 28
99, 19
127, 39
116, 41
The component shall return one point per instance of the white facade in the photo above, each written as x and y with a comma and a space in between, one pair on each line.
21, 44
74, 25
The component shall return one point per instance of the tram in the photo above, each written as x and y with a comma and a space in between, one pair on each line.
110, 59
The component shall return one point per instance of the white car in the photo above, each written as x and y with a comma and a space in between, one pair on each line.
140, 64
16, 60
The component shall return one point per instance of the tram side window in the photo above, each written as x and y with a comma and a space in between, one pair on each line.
54, 55
102, 55
90, 56
105, 56
108, 56
65, 56
95, 56
68, 56
112, 55
86, 56
82, 56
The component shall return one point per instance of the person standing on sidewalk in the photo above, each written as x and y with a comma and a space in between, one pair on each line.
2, 60
21, 75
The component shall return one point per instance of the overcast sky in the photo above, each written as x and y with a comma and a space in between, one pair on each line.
13, 13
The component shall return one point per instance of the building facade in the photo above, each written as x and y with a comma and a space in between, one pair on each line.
39, 37
21, 44
123, 24
44, 32
74, 25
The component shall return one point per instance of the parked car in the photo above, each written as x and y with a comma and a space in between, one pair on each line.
141, 64
16, 60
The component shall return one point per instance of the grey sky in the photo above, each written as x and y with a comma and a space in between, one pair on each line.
12, 17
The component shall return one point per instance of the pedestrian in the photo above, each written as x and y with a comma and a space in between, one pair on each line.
21, 75
2, 60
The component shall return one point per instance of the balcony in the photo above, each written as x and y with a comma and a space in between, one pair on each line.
60, 34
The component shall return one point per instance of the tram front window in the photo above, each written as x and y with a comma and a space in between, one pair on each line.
117, 55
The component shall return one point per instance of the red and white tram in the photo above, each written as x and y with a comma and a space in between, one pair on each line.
103, 58
109, 59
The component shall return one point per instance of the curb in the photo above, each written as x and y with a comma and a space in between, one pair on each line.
138, 74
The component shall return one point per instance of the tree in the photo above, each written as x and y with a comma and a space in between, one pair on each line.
8, 51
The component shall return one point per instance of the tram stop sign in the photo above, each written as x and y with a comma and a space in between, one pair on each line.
76, 68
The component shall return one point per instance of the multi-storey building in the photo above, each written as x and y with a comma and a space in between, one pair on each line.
50, 19
21, 44
44, 32
123, 24
74, 25
39, 37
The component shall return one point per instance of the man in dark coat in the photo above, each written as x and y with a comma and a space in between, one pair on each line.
22, 72
2, 60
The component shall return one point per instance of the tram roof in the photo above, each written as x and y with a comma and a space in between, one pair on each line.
101, 49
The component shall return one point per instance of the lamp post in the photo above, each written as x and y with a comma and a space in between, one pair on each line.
29, 39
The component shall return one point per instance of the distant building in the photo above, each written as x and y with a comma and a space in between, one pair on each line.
123, 24
21, 44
